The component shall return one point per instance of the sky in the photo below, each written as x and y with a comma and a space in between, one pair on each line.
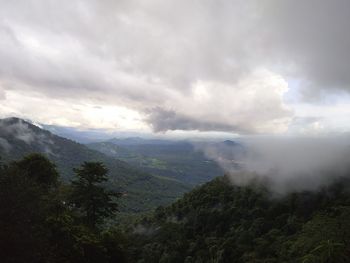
238, 67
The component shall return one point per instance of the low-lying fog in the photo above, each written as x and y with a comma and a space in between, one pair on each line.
284, 163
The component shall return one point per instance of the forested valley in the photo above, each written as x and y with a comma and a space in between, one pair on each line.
44, 219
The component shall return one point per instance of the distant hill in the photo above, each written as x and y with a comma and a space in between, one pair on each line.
180, 160
140, 141
142, 191
89, 135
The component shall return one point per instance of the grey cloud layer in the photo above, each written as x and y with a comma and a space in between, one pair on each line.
163, 120
190, 65
313, 35
286, 164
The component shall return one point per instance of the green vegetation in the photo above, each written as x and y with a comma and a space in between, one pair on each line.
219, 222
45, 220
89, 196
175, 159
141, 190
42, 220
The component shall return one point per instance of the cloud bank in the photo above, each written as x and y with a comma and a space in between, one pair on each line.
284, 164
171, 65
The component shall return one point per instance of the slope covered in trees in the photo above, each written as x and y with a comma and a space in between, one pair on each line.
142, 191
180, 160
45, 220
219, 222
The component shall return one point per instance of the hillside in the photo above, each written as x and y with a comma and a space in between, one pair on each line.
142, 191
219, 222
180, 160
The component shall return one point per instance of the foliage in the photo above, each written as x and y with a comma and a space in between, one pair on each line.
89, 195
178, 160
37, 224
142, 191
219, 222
40, 169
45, 220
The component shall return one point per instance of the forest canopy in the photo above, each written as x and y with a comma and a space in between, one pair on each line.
45, 220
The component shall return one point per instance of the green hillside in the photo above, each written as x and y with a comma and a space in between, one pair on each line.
142, 191
219, 222
179, 160
43, 220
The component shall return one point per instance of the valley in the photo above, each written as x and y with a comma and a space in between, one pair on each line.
143, 191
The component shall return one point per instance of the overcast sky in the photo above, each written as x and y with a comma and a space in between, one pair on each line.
240, 67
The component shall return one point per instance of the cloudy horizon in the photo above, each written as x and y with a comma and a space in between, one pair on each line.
178, 67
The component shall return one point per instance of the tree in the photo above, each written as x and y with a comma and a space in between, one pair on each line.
26, 202
40, 169
90, 197
38, 225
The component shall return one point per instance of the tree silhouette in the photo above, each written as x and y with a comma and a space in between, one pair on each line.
89, 195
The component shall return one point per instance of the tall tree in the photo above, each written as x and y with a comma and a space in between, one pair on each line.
26, 190
89, 195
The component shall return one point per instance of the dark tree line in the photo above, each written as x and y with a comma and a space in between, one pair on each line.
44, 220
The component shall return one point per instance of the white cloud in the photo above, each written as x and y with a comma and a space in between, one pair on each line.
321, 119
184, 65
252, 105
70, 113
2, 94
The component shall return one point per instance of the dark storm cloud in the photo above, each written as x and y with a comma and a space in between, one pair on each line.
164, 120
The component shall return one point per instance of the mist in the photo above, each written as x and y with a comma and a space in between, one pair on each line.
16, 129
284, 164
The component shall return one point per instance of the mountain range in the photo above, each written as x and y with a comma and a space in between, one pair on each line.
142, 191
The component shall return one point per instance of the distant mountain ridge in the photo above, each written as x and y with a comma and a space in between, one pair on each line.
181, 160
88, 135
143, 141
145, 191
